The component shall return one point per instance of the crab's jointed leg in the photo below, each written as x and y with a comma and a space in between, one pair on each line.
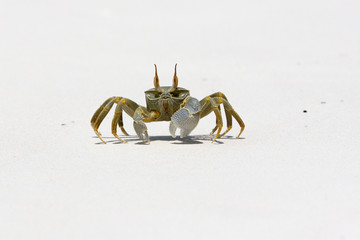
121, 124
212, 103
122, 104
101, 113
209, 106
129, 107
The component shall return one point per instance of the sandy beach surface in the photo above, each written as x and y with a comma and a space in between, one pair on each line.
289, 68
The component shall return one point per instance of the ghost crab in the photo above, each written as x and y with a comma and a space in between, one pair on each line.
172, 104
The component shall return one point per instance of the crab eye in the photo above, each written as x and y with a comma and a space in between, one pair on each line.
180, 94
183, 94
152, 95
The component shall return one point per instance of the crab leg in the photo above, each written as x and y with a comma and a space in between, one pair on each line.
121, 125
209, 105
129, 107
117, 119
206, 109
227, 114
99, 110
101, 113
228, 108
216, 126
220, 98
235, 115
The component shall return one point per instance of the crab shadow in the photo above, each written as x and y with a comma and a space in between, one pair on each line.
195, 139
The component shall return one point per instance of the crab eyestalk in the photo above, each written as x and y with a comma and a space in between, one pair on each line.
175, 79
156, 78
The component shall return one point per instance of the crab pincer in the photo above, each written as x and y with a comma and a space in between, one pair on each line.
186, 118
141, 131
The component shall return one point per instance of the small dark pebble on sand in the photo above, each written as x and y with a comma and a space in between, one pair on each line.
305, 111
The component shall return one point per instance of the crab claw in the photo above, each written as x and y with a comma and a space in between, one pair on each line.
186, 118
141, 131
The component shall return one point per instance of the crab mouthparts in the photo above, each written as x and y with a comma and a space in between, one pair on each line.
166, 106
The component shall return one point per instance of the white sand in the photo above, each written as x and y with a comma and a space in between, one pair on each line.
293, 175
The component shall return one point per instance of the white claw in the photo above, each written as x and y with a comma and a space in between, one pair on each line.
185, 132
141, 131
172, 129
186, 118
